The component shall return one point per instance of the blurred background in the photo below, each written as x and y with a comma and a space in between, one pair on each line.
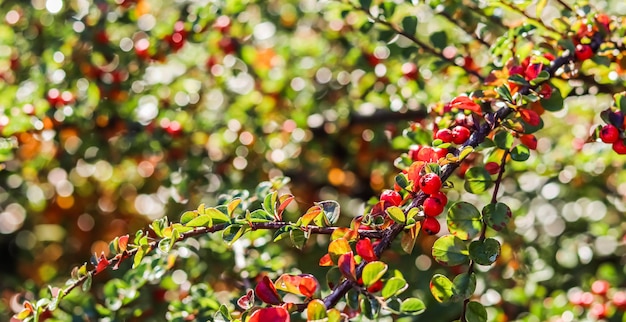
115, 113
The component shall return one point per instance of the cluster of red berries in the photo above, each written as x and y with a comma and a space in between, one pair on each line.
457, 135
612, 134
600, 300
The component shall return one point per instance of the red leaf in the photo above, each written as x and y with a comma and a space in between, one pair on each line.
532, 71
347, 266
308, 285
103, 263
326, 261
122, 243
529, 116
466, 103
266, 291
283, 201
247, 301
529, 140
270, 314
365, 250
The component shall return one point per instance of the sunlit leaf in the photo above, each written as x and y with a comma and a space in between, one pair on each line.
331, 211
464, 220
441, 288
315, 310
477, 180
497, 215
365, 250
347, 266
484, 252
396, 214
337, 248
373, 272
407, 241
266, 291
475, 312
393, 287
412, 306
276, 314
450, 250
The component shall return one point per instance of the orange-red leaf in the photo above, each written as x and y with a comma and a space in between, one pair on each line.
103, 263
311, 214
529, 116
326, 261
466, 103
266, 291
122, 243
365, 250
270, 314
308, 285
347, 266
338, 247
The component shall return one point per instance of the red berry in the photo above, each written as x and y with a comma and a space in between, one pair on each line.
619, 147
430, 183
431, 226
426, 154
433, 207
444, 135
414, 152
619, 299
440, 153
583, 52
443, 199
409, 70
529, 140
492, 167
460, 134
609, 134
54, 96
391, 197
600, 287
599, 310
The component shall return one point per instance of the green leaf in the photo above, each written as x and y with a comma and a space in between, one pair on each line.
331, 210
409, 24
504, 93
441, 288
200, 221
412, 306
464, 286
372, 272
497, 215
402, 181
477, 180
365, 4
187, 216
315, 310
464, 220
504, 140
259, 216
484, 252
87, 283
475, 312
465, 152
141, 252
520, 153
269, 203
393, 287
370, 308
396, 214
439, 39
389, 7
233, 232
298, 238
620, 101
217, 216
450, 250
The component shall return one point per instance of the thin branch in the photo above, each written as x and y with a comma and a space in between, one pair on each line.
418, 42
566, 6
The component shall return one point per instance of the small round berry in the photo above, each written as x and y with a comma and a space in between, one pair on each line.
609, 134
414, 151
460, 134
426, 154
443, 199
619, 300
430, 183
529, 140
391, 197
600, 287
433, 207
492, 167
599, 310
431, 226
619, 147
583, 52
444, 135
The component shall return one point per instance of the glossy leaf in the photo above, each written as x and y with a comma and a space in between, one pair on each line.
409, 24
393, 287
497, 215
232, 206
477, 180
217, 216
246, 301
412, 306
315, 310
200, 221
396, 214
276, 314
331, 210
504, 140
266, 291
484, 252
466, 103
347, 266
441, 288
464, 220
373, 272
475, 312
337, 248
365, 250
369, 307
407, 242
520, 153
450, 250
464, 286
